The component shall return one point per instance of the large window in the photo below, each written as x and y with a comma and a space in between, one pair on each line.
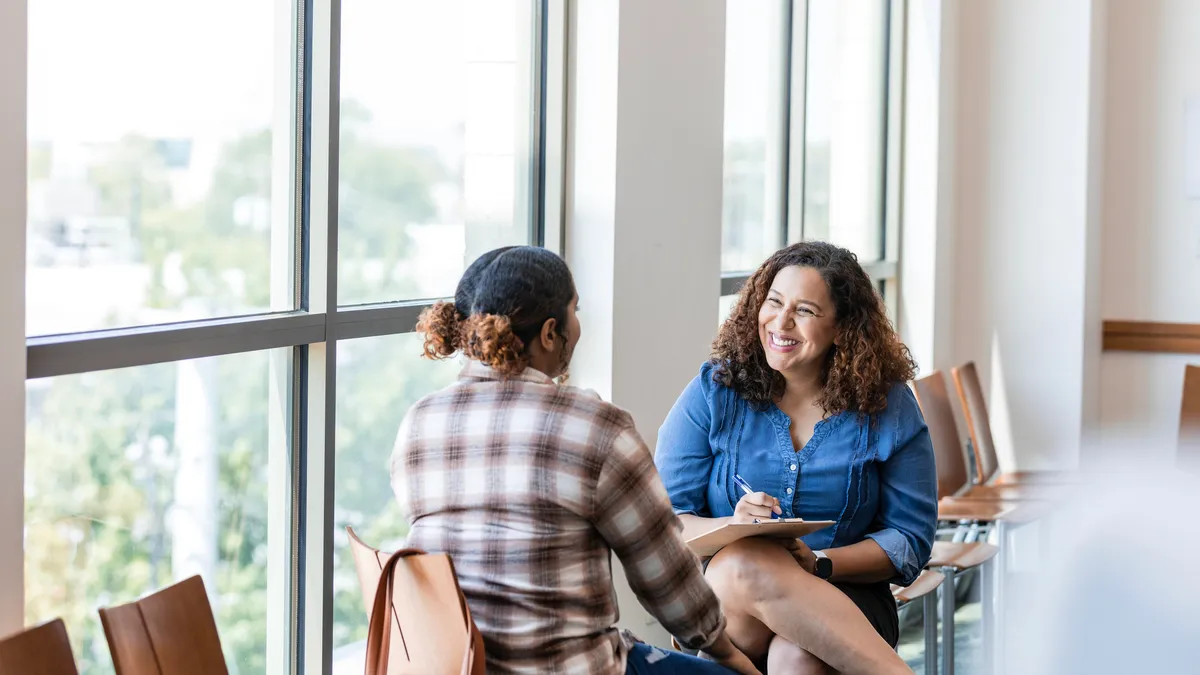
812, 93
140, 477
756, 71
152, 179
237, 210
437, 117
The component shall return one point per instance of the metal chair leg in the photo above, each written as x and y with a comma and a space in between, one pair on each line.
1000, 564
930, 609
948, 593
988, 606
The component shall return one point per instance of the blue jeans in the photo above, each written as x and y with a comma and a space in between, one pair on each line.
647, 660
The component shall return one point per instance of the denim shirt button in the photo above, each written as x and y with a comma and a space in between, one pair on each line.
793, 467
789, 491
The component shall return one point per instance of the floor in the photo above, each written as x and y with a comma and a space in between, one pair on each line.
968, 631
968, 636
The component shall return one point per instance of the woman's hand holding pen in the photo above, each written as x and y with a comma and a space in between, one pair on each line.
755, 506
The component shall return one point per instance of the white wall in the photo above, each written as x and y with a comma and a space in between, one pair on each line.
644, 206
1151, 246
12, 313
1024, 228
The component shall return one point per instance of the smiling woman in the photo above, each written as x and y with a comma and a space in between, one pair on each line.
805, 398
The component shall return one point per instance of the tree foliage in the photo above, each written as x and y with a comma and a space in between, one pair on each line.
102, 457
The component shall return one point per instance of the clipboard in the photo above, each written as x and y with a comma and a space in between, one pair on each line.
710, 542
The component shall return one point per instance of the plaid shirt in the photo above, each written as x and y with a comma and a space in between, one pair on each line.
530, 486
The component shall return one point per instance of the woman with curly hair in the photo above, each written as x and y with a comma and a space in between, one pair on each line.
531, 486
805, 400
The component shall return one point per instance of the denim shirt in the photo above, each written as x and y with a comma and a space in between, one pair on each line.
874, 476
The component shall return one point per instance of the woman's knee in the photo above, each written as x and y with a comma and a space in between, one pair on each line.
753, 569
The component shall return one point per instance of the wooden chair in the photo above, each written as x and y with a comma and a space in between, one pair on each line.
41, 650
171, 632
952, 559
950, 456
924, 589
1189, 421
442, 627
974, 407
368, 562
925, 584
995, 506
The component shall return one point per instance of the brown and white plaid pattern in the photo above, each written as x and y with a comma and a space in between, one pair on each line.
528, 486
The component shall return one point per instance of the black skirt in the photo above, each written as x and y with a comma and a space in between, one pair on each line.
877, 604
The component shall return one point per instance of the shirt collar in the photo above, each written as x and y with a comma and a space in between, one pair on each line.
474, 370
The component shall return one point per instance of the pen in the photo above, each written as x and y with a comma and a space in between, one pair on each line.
741, 482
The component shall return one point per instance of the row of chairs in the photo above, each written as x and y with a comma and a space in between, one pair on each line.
971, 504
171, 632
991, 500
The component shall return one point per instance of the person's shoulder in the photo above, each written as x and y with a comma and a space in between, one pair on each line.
588, 403
435, 400
902, 418
901, 400
709, 378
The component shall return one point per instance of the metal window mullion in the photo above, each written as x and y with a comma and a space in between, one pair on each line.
554, 125
55, 355
894, 147
798, 110
731, 284
379, 319
314, 649
784, 122
298, 439
536, 210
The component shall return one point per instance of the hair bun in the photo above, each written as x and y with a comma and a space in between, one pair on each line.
442, 326
489, 339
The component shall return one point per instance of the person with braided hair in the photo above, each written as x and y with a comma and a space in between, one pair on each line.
531, 485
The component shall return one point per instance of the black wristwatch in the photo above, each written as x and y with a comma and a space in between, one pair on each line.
824, 566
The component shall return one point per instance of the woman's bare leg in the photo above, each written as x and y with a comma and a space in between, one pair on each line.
765, 593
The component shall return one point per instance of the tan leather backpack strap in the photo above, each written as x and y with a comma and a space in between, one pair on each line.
379, 633
474, 659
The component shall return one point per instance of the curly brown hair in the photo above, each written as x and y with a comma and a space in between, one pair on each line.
867, 357
499, 307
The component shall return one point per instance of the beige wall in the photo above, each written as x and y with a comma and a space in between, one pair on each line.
1024, 229
1151, 260
1052, 187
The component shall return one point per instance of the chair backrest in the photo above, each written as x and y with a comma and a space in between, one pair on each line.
939, 417
970, 393
368, 561
41, 650
171, 632
1189, 421
438, 634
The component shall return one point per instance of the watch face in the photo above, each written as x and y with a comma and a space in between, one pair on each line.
824, 568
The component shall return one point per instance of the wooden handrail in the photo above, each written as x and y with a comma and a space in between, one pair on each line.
1152, 336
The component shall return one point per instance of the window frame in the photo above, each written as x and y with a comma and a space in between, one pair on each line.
885, 271
312, 332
